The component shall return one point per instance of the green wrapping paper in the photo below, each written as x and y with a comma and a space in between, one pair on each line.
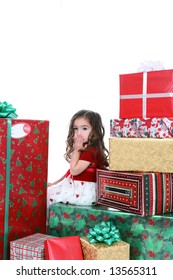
150, 238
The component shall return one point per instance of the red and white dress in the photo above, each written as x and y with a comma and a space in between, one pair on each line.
80, 189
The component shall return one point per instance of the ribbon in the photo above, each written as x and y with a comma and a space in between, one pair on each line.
7, 111
7, 194
147, 66
106, 232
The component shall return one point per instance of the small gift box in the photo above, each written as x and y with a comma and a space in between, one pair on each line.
29, 248
103, 243
63, 248
100, 251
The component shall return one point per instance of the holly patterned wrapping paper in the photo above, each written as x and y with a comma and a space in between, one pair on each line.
146, 94
23, 179
141, 154
99, 251
142, 128
145, 194
30, 247
150, 238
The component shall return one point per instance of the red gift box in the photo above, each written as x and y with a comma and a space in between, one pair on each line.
23, 179
63, 248
146, 94
144, 194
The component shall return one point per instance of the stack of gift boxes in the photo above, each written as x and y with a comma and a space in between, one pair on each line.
138, 184
140, 147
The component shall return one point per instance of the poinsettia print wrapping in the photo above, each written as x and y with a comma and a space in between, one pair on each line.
142, 128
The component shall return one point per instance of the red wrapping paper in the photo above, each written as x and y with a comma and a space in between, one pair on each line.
23, 179
144, 194
63, 248
146, 94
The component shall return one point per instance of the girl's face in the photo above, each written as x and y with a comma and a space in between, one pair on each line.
82, 128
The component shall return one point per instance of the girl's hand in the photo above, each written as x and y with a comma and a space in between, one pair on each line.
79, 143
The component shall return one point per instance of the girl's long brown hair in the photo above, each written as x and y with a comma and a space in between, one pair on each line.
96, 138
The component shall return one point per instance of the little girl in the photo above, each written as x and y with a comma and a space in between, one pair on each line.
85, 152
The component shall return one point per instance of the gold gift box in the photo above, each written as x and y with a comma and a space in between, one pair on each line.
141, 154
100, 251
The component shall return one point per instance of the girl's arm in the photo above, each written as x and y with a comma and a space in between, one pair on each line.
56, 182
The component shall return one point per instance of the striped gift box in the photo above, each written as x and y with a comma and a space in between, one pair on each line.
145, 194
29, 248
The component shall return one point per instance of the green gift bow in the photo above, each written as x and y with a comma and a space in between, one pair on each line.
7, 111
106, 232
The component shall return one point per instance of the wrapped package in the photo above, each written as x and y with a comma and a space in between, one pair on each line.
23, 179
146, 94
150, 237
141, 154
29, 248
142, 128
63, 248
145, 194
100, 251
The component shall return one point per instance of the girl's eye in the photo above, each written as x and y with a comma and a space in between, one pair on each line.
75, 128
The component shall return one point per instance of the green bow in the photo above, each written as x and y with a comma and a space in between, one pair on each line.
106, 232
7, 111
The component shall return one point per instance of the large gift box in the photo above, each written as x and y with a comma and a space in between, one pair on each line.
29, 248
23, 179
142, 128
150, 237
146, 94
141, 154
99, 251
144, 194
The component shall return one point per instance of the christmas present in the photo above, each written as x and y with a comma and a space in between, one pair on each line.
104, 243
63, 248
144, 194
146, 94
99, 251
150, 237
141, 154
142, 128
29, 248
23, 179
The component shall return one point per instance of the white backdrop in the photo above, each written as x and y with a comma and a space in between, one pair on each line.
59, 56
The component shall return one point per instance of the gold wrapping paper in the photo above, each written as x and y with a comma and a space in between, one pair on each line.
141, 154
100, 251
